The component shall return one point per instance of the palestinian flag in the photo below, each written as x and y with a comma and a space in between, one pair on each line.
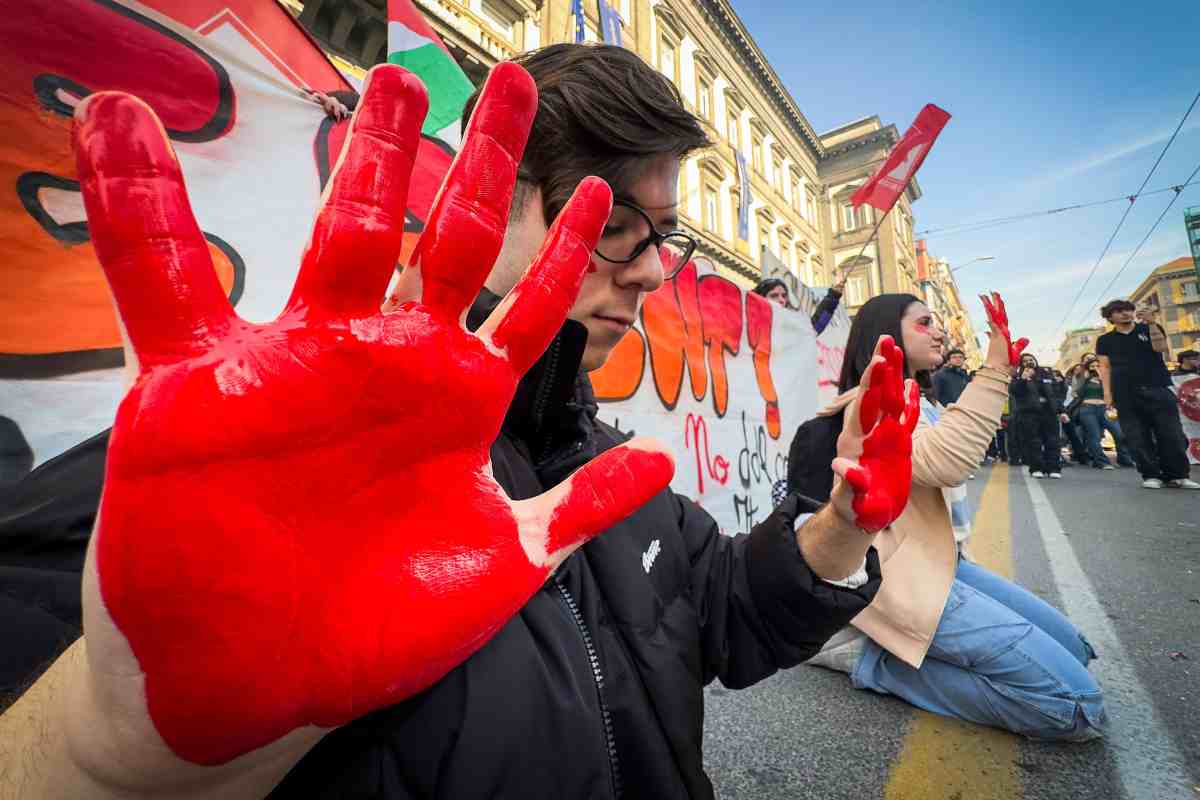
414, 45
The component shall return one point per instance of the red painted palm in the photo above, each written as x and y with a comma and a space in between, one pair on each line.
299, 521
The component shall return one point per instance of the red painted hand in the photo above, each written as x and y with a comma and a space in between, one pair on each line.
875, 446
997, 316
299, 521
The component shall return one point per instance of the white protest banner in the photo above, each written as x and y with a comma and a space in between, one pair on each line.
1187, 389
724, 378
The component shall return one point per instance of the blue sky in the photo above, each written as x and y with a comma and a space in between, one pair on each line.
1050, 108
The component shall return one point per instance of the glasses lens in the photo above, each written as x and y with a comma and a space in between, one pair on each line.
675, 253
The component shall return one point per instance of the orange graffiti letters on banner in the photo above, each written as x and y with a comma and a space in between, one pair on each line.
674, 331
758, 334
721, 310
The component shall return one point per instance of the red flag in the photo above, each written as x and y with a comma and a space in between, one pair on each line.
902, 163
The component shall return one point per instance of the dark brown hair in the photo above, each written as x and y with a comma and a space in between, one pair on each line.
601, 111
880, 315
1113, 306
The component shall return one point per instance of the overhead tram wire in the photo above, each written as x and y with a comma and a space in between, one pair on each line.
983, 224
1145, 239
1120, 222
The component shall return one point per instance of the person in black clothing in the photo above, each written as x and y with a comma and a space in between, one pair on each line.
1138, 386
1038, 410
775, 290
594, 688
1016, 439
951, 379
1189, 363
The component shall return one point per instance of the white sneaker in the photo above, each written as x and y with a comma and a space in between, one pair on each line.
842, 652
971, 477
1037, 473
1056, 475
1108, 466
1183, 483
1152, 483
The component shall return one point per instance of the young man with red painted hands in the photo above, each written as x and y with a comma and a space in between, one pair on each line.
303, 563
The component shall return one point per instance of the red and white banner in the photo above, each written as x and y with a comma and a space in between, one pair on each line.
889, 181
1187, 389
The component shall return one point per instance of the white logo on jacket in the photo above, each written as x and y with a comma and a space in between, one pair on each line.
650, 554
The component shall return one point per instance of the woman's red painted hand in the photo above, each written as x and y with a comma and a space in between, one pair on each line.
1003, 352
299, 521
875, 447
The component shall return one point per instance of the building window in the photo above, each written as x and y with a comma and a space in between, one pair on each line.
1190, 289
756, 151
848, 218
734, 127
711, 209
864, 215
777, 175
499, 18
627, 12
704, 99
764, 238
811, 206
856, 291
736, 204
667, 59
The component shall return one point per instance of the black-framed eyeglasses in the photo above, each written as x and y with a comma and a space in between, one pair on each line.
629, 231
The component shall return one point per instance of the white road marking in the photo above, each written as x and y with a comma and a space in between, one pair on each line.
1150, 766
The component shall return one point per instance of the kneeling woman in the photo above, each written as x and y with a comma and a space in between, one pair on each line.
943, 633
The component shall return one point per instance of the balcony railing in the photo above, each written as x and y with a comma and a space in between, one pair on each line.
472, 26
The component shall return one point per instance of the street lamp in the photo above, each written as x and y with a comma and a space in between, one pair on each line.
972, 261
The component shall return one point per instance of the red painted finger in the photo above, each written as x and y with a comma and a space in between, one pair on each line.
912, 405
154, 256
359, 229
603, 492
869, 397
893, 387
1015, 350
1001, 309
859, 480
535, 309
466, 224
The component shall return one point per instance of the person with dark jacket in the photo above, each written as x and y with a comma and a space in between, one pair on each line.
594, 687
1039, 410
951, 379
775, 290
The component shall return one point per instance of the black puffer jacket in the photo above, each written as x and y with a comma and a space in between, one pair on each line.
594, 689
1043, 394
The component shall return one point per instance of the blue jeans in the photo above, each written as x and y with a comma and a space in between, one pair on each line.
1095, 421
1000, 657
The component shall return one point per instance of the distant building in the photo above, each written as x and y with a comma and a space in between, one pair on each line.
800, 182
1174, 290
936, 285
1076, 344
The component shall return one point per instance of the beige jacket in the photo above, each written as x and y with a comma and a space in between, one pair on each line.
917, 552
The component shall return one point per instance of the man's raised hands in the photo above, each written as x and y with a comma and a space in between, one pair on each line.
875, 447
299, 522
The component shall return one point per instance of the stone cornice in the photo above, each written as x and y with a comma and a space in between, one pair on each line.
730, 26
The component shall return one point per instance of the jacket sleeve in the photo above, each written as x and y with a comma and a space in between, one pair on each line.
824, 311
761, 607
945, 454
941, 387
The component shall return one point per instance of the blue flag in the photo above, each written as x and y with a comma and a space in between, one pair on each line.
747, 198
610, 23
580, 31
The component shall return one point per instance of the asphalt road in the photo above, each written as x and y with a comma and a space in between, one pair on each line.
1122, 561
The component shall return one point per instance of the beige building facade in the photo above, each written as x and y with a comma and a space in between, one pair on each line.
800, 181
1172, 289
1076, 344
936, 285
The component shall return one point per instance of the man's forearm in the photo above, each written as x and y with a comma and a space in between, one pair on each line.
55, 744
832, 547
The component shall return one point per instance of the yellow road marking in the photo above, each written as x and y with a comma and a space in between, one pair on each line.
945, 758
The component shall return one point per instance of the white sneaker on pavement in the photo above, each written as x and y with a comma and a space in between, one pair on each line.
1152, 483
1056, 475
842, 651
1038, 474
1108, 466
1183, 483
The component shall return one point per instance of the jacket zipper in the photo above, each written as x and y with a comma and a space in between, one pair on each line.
598, 677
539, 407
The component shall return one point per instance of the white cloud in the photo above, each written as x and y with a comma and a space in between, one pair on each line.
1114, 153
